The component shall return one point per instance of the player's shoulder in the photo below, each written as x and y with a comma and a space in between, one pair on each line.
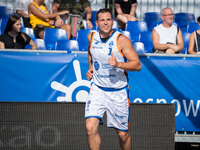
122, 38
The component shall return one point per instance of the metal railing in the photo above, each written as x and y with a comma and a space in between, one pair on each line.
191, 6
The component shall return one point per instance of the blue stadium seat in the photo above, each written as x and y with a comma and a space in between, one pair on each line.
6, 11
39, 42
126, 33
28, 31
93, 19
146, 39
186, 38
81, 38
182, 20
52, 35
192, 26
22, 22
3, 23
152, 19
135, 28
139, 47
67, 45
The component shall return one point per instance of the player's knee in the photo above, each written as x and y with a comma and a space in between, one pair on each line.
91, 131
123, 136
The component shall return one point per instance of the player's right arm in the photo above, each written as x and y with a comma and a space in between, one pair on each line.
89, 73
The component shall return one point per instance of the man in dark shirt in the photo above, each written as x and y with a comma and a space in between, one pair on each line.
125, 11
75, 8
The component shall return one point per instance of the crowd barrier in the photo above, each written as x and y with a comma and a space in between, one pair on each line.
55, 76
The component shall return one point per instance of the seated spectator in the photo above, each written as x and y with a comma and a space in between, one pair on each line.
125, 11
41, 18
167, 38
21, 8
75, 8
12, 38
194, 42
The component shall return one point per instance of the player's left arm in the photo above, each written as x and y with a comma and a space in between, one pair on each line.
127, 49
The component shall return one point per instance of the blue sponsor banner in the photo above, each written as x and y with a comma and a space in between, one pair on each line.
61, 77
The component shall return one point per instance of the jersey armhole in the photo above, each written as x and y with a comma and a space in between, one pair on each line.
92, 36
118, 44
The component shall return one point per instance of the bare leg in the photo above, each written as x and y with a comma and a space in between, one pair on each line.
122, 20
124, 140
93, 137
68, 29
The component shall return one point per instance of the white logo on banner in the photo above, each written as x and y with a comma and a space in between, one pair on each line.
81, 95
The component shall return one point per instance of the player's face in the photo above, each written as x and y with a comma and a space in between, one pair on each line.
17, 26
105, 22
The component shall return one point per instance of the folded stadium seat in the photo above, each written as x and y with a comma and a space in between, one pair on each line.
152, 19
135, 28
186, 38
126, 33
3, 23
6, 11
192, 26
67, 45
146, 39
182, 20
39, 42
115, 26
22, 22
139, 47
51, 36
93, 20
81, 38
28, 31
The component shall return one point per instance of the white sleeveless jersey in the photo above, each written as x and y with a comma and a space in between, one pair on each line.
105, 75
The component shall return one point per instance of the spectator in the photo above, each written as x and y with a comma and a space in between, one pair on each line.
194, 42
41, 18
75, 8
167, 38
12, 38
125, 11
21, 8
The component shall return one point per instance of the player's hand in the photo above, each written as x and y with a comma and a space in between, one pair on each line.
89, 74
112, 60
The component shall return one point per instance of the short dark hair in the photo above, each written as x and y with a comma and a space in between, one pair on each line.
12, 20
198, 19
104, 10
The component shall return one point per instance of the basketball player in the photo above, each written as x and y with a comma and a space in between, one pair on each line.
107, 52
